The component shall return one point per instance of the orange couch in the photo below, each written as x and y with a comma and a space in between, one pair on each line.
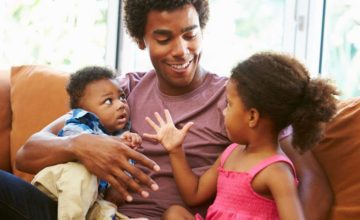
33, 96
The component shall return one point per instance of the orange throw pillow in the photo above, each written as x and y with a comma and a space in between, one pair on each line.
38, 96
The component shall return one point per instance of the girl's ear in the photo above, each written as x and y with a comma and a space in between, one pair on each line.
141, 44
254, 117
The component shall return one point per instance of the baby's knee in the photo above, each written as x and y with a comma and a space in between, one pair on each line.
177, 212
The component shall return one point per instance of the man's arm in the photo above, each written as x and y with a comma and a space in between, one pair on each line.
105, 156
314, 188
45, 149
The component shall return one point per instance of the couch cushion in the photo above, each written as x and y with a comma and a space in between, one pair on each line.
339, 154
38, 96
5, 120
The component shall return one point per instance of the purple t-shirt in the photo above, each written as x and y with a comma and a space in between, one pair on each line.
203, 144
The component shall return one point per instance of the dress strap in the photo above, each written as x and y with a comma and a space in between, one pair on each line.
270, 160
226, 153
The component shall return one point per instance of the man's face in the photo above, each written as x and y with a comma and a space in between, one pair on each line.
174, 40
107, 101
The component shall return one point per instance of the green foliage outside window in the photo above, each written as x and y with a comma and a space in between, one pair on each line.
61, 33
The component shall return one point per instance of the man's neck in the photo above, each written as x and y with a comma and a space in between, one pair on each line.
177, 91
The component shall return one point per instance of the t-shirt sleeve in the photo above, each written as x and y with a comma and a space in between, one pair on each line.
129, 81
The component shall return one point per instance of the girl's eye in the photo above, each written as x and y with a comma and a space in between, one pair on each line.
108, 101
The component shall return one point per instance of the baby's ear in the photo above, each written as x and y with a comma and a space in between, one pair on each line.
141, 44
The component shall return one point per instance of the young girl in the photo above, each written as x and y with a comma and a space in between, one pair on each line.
253, 179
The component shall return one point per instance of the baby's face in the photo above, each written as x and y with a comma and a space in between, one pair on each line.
107, 101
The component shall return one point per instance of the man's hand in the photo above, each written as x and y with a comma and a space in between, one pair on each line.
108, 158
114, 196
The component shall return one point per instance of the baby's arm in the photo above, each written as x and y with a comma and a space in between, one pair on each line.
282, 185
193, 189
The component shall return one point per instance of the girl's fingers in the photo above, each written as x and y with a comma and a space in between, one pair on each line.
187, 126
152, 124
159, 118
151, 136
168, 116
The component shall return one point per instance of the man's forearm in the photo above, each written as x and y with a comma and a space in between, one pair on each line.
43, 149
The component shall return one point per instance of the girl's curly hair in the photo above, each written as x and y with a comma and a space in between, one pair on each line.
280, 87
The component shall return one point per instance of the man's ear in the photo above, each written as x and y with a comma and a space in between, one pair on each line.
254, 117
141, 44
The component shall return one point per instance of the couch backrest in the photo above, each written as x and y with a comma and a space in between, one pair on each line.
339, 155
5, 120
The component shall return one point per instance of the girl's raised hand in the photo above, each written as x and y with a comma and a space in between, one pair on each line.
166, 132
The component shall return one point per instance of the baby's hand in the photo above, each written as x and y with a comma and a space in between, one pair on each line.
133, 140
166, 132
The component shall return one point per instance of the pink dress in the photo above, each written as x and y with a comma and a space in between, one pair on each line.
236, 199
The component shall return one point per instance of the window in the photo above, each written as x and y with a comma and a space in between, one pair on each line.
71, 34
63, 34
341, 50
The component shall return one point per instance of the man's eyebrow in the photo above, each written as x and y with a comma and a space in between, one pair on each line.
190, 28
168, 32
161, 32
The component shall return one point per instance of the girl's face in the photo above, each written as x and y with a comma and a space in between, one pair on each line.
107, 101
236, 115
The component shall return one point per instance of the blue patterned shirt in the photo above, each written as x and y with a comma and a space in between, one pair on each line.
83, 121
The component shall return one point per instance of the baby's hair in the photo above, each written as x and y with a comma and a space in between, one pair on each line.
81, 78
280, 88
136, 12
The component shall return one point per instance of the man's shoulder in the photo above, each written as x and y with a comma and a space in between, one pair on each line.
136, 76
216, 78
132, 79
214, 83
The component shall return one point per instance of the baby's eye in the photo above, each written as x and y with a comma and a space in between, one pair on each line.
108, 101
122, 98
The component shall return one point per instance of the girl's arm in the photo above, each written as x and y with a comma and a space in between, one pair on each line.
281, 183
193, 189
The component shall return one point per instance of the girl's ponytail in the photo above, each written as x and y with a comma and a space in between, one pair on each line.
317, 106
